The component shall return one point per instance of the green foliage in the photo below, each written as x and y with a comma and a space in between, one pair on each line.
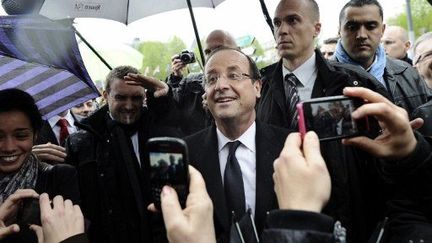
259, 55
157, 56
421, 12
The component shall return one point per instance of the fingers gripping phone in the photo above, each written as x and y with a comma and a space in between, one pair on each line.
168, 158
330, 117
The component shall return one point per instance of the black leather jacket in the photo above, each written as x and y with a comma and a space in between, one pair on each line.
425, 112
406, 88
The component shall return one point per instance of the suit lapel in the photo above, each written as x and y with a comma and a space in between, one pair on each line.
278, 88
210, 169
265, 196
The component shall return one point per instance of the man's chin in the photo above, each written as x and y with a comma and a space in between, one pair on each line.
127, 120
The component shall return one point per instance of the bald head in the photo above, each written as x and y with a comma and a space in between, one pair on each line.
395, 41
219, 38
396, 32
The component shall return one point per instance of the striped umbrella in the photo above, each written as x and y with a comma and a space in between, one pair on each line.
41, 57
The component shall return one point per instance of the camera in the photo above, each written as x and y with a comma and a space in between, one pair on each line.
187, 57
330, 117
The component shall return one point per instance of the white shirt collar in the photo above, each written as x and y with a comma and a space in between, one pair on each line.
247, 138
304, 72
53, 120
370, 67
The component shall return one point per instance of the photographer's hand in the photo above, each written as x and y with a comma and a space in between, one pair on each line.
194, 223
177, 66
9, 208
160, 88
59, 222
301, 179
397, 139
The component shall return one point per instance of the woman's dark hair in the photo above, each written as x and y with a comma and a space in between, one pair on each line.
18, 100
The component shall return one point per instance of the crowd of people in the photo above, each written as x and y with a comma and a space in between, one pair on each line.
252, 176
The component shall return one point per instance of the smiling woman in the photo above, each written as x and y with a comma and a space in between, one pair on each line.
20, 122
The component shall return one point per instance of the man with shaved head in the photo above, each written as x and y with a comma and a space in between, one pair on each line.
357, 198
396, 43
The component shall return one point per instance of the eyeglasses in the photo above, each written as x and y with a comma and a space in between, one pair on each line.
211, 79
423, 56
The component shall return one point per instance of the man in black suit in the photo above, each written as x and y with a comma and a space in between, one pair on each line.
232, 85
358, 191
49, 144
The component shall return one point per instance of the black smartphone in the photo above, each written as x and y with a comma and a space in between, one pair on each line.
168, 158
29, 212
330, 117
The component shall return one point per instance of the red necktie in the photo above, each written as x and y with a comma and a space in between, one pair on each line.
64, 133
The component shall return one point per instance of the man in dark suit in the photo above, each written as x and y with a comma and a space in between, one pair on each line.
49, 144
232, 86
358, 191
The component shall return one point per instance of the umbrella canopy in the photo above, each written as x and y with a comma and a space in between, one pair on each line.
125, 11
42, 58
114, 53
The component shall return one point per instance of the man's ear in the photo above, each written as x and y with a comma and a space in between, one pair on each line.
383, 29
105, 94
257, 87
317, 27
407, 45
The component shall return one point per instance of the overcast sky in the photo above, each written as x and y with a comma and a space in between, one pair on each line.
240, 17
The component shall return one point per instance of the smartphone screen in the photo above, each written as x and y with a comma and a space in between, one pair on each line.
168, 166
330, 117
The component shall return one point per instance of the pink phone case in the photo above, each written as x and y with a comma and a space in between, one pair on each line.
301, 120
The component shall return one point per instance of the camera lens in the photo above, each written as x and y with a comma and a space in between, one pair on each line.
187, 57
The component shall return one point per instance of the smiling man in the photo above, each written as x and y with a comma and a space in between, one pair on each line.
361, 29
235, 156
108, 153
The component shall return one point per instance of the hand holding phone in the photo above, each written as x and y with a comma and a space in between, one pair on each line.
330, 117
168, 159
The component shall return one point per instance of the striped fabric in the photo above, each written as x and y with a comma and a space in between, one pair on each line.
42, 57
